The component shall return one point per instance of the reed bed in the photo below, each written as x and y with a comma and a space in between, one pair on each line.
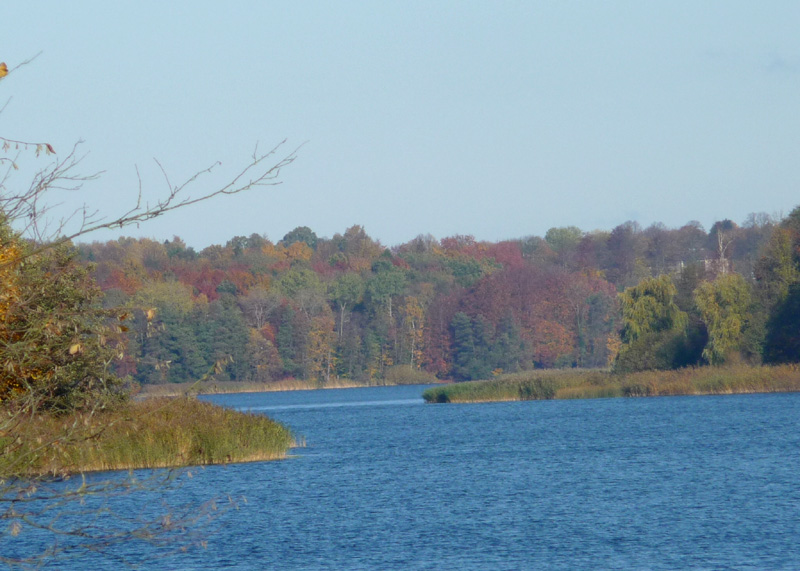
408, 375
571, 384
213, 388
529, 385
155, 433
398, 375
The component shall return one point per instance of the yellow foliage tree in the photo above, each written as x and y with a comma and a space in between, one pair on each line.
320, 348
413, 317
9, 297
55, 339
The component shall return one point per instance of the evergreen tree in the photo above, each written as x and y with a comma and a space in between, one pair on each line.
509, 348
782, 343
483, 342
287, 347
463, 347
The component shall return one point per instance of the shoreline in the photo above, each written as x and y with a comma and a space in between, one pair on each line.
210, 388
257, 457
697, 394
586, 384
152, 433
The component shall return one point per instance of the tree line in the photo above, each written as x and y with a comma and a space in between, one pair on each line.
348, 307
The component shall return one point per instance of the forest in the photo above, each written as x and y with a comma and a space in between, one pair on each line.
347, 307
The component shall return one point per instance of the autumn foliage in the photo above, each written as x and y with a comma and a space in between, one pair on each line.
58, 343
349, 308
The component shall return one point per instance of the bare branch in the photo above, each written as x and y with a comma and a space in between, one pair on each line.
23, 63
29, 210
78, 514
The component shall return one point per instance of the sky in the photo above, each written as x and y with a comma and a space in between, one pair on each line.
495, 119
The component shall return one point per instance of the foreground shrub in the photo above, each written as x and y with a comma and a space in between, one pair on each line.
57, 343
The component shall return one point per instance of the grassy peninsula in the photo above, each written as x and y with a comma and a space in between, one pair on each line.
571, 384
154, 433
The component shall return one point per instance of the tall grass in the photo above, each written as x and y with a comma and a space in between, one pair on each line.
408, 375
398, 375
528, 385
154, 433
566, 384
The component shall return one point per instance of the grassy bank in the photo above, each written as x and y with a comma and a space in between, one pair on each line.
399, 375
565, 384
215, 388
154, 433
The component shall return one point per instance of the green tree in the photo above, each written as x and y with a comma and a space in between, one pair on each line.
222, 337
301, 234
563, 239
778, 273
778, 266
166, 297
467, 271
463, 347
297, 279
782, 344
474, 350
509, 347
564, 242
287, 343
649, 307
346, 292
654, 334
386, 283
723, 306
165, 334
483, 336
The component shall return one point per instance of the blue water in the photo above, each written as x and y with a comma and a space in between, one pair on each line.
387, 482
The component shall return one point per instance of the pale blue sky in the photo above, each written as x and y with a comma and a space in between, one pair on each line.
496, 119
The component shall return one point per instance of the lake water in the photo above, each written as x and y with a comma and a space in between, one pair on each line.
387, 482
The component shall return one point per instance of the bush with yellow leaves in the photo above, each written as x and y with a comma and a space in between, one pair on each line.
57, 343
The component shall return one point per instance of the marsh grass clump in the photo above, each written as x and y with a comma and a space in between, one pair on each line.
155, 433
528, 385
573, 384
408, 375
206, 387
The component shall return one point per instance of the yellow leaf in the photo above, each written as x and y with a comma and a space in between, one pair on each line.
151, 313
74, 348
3, 69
